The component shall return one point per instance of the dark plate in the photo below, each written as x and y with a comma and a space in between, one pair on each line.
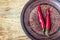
29, 19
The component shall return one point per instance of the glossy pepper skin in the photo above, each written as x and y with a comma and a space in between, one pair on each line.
47, 21
40, 18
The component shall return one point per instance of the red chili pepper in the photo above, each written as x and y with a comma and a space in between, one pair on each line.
47, 21
40, 17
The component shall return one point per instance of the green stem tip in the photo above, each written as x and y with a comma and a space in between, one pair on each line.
46, 33
43, 29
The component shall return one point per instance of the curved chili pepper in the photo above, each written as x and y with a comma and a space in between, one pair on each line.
40, 17
47, 22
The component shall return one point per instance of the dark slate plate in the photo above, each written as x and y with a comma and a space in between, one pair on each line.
29, 13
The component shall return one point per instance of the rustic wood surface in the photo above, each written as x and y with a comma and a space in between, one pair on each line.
10, 25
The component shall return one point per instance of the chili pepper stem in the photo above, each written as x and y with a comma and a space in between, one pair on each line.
43, 29
46, 33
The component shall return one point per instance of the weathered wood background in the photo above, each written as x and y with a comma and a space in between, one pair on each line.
10, 25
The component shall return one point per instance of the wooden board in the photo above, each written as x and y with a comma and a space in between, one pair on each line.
10, 25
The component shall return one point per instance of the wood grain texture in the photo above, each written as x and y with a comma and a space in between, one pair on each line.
10, 25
